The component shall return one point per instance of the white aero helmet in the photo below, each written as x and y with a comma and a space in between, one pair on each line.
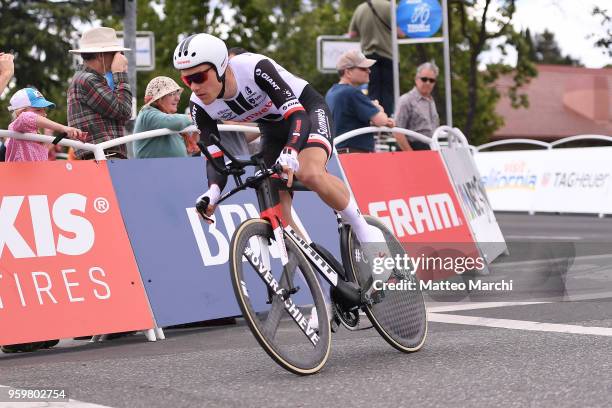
201, 49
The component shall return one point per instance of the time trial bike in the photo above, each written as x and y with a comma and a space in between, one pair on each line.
272, 268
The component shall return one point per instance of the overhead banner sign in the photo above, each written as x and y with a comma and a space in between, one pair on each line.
66, 265
419, 18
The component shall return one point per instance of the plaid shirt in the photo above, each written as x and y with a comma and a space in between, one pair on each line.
97, 109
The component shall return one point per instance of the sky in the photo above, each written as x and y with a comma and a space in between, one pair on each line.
571, 22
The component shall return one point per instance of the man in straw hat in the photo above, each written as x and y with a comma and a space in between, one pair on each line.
99, 96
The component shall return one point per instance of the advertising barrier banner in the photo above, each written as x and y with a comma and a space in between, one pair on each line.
411, 194
473, 198
183, 260
66, 264
574, 180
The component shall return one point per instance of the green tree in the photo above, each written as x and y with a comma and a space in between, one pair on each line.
170, 21
286, 30
604, 41
292, 44
474, 26
39, 33
544, 49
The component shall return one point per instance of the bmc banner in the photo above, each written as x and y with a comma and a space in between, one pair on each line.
66, 265
183, 260
473, 198
575, 180
411, 193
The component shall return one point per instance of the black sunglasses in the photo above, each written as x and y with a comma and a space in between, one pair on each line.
425, 79
197, 77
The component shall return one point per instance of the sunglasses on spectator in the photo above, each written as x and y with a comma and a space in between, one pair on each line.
362, 69
425, 79
197, 77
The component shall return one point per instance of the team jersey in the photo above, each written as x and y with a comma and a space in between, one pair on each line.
266, 93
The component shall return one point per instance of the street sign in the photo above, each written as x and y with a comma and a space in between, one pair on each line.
330, 48
145, 50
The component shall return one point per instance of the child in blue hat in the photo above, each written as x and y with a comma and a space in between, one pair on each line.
29, 108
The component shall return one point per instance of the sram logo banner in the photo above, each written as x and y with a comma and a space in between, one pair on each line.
66, 266
411, 194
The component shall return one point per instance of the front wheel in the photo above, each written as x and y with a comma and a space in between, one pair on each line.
399, 314
276, 301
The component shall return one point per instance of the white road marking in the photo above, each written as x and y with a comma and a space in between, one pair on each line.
519, 324
71, 403
535, 262
478, 305
556, 238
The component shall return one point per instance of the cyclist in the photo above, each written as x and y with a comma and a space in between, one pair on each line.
293, 118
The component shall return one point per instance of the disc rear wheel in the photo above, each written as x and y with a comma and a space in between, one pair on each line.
398, 314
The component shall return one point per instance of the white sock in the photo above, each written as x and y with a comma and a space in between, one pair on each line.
364, 232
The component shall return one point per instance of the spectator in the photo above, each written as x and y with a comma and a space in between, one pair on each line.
350, 108
416, 110
29, 109
161, 102
7, 69
371, 22
99, 95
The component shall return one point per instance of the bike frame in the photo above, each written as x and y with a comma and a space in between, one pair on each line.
267, 183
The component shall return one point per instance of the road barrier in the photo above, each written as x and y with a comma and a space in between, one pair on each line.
432, 200
569, 180
129, 252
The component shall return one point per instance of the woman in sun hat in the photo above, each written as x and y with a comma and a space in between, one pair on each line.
161, 102
29, 109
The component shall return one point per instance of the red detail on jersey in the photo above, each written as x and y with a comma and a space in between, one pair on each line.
298, 125
255, 115
292, 111
217, 154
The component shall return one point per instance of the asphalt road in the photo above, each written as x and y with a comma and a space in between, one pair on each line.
544, 348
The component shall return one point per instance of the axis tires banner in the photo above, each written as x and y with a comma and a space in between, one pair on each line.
66, 264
